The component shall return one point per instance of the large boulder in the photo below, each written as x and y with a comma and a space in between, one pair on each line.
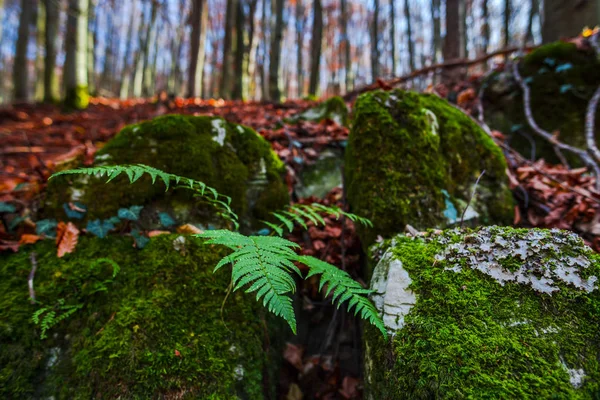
414, 159
154, 330
562, 79
492, 313
232, 158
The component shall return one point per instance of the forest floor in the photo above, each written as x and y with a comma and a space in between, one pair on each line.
323, 361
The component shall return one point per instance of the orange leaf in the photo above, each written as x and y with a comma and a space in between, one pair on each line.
189, 229
157, 233
29, 239
66, 238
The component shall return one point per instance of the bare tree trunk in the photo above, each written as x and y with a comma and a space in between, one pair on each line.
76, 71
347, 47
393, 31
300, 44
264, 82
533, 11
175, 69
150, 44
229, 42
20, 67
239, 55
127, 67
375, 41
250, 67
51, 93
106, 78
506, 23
411, 50
486, 27
436, 14
91, 46
453, 47
39, 44
197, 47
316, 47
275, 53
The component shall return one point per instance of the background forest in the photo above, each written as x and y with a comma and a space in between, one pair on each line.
252, 49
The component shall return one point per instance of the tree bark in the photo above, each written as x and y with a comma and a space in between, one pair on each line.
453, 47
411, 51
436, 13
375, 42
316, 47
393, 31
91, 46
300, 43
565, 19
251, 53
127, 67
197, 47
39, 45
20, 67
347, 49
51, 92
241, 37
506, 23
264, 82
533, 11
75, 69
275, 53
150, 44
229, 42
485, 34
106, 78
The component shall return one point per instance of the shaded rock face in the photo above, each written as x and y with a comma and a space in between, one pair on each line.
154, 331
562, 81
491, 313
232, 158
414, 159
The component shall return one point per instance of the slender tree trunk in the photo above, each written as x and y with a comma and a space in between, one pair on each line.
300, 43
436, 15
264, 82
229, 42
409, 37
532, 13
197, 47
315, 48
240, 51
106, 78
20, 68
375, 41
485, 34
453, 47
75, 69
91, 46
506, 23
51, 93
250, 55
127, 67
151, 84
150, 44
393, 32
39, 44
465, 9
349, 76
275, 53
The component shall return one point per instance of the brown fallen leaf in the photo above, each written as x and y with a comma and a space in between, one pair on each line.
157, 233
29, 239
189, 229
349, 388
67, 236
293, 355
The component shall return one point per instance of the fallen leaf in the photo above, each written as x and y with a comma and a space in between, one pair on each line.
29, 239
349, 388
66, 238
157, 233
293, 355
189, 229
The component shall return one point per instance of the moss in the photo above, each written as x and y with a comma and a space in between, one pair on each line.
404, 149
77, 98
468, 336
232, 158
156, 332
562, 79
333, 108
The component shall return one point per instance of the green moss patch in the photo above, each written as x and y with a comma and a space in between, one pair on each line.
232, 158
156, 331
405, 149
333, 109
498, 313
562, 79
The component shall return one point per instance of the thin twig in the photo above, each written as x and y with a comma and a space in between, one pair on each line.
590, 119
31, 276
462, 217
583, 154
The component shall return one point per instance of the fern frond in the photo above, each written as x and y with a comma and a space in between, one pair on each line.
302, 213
114, 265
344, 288
135, 172
264, 264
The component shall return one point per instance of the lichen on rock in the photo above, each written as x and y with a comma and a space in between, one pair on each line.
487, 313
562, 79
413, 158
334, 109
156, 331
232, 158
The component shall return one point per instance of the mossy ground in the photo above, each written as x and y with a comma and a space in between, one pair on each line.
562, 79
232, 158
404, 148
122, 343
470, 337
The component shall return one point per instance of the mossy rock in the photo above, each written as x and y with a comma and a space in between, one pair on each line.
562, 79
232, 158
333, 109
155, 332
414, 159
495, 313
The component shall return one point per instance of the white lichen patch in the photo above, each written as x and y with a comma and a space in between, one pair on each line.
392, 296
219, 131
432, 121
538, 258
576, 376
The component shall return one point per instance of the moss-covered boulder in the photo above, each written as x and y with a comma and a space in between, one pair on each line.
562, 79
496, 313
334, 109
153, 331
414, 159
232, 158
